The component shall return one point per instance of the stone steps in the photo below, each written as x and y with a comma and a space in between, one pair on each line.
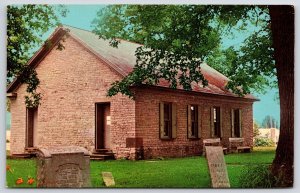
31, 150
102, 154
102, 151
96, 159
101, 157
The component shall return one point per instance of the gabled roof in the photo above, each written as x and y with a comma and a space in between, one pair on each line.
39, 55
122, 60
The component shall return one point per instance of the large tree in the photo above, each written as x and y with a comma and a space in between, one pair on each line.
26, 25
178, 38
283, 33
186, 35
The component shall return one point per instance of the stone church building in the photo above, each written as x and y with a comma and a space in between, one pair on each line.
159, 122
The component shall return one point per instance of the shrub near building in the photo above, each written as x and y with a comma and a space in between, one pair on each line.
263, 142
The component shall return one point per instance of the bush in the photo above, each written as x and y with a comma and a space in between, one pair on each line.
263, 142
258, 176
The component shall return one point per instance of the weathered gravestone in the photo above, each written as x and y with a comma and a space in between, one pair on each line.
63, 167
217, 167
108, 179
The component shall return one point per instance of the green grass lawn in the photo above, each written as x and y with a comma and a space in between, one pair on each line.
20, 168
191, 172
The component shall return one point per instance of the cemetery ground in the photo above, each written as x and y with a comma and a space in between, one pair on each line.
189, 172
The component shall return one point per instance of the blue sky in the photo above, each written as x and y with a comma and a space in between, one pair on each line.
81, 16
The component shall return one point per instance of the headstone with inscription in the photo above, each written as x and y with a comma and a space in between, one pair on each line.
217, 167
108, 179
63, 167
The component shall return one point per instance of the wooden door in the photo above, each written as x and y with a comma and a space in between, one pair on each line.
102, 134
31, 127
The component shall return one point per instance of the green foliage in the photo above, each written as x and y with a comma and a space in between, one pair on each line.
26, 24
178, 38
257, 176
263, 142
255, 129
33, 100
255, 59
7, 104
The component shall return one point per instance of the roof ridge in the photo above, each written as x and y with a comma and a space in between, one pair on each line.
66, 25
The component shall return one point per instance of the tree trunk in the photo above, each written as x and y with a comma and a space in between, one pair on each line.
283, 29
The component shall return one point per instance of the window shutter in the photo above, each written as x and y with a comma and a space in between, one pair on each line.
199, 122
161, 119
212, 129
174, 120
221, 122
189, 121
240, 119
232, 123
